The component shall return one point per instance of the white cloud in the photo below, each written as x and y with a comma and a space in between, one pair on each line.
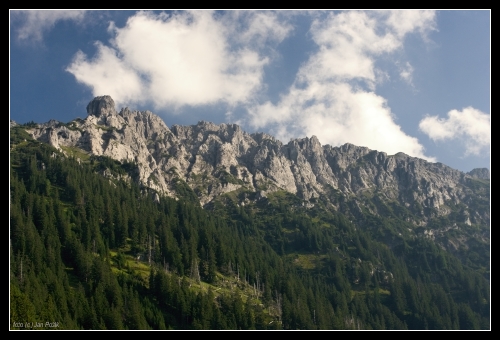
36, 23
106, 74
346, 41
262, 27
188, 58
333, 94
469, 126
404, 22
406, 73
337, 113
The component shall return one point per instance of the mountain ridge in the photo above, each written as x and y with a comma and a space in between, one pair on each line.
214, 160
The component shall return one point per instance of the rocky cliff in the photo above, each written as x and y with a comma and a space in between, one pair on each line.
217, 159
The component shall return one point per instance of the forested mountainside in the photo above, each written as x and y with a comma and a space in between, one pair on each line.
94, 245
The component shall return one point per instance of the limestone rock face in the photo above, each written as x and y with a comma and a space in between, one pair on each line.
481, 173
216, 159
101, 105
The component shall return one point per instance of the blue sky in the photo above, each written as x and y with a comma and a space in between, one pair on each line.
416, 82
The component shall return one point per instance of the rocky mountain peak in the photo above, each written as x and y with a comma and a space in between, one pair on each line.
481, 173
101, 106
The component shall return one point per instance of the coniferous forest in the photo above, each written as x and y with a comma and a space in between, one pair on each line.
95, 252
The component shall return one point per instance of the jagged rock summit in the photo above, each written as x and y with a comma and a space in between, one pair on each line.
101, 105
211, 160
481, 173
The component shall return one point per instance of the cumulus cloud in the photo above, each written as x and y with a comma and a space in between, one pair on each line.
262, 27
107, 74
35, 23
333, 96
187, 58
404, 22
469, 126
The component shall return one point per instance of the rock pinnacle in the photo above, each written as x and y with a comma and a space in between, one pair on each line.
101, 105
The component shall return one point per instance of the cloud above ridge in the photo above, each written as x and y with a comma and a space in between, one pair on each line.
192, 59
333, 96
186, 58
469, 126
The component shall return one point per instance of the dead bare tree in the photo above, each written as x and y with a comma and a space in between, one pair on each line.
149, 249
195, 271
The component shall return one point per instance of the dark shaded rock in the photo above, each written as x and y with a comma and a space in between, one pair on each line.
101, 105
